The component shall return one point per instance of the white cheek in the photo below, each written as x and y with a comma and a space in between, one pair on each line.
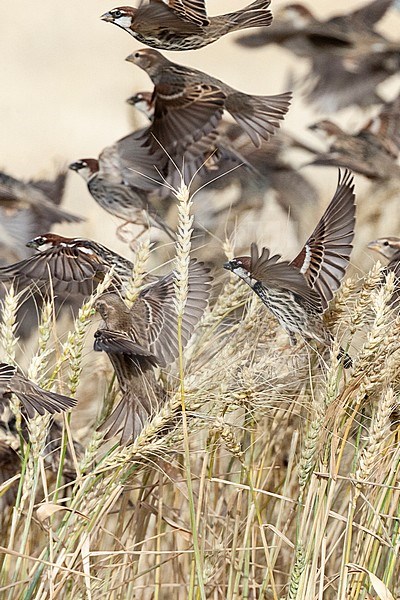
45, 247
124, 22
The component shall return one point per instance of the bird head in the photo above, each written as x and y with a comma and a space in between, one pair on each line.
296, 14
143, 101
86, 167
47, 240
123, 16
147, 59
241, 266
387, 246
110, 305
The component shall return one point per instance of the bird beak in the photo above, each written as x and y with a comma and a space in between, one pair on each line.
313, 127
107, 17
131, 58
374, 246
228, 266
31, 244
74, 166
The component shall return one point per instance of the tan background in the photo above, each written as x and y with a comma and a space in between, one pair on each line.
64, 82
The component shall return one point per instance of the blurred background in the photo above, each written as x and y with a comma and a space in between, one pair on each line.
65, 82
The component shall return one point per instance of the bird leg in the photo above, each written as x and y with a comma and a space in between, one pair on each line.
121, 232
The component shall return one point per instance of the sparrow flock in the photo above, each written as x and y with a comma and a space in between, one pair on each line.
187, 133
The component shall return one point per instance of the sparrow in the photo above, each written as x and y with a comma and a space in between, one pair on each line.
26, 208
33, 398
73, 266
211, 159
161, 25
372, 151
143, 337
349, 58
117, 197
188, 104
389, 247
298, 292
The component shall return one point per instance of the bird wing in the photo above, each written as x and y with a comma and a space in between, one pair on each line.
193, 11
274, 273
324, 258
65, 268
371, 13
162, 320
117, 342
184, 111
33, 397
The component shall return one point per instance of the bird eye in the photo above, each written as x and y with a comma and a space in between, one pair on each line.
137, 55
117, 14
386, 243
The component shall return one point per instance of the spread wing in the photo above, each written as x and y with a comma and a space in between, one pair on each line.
324, 258
185, 111
274, 273
66, 269
33, 398
162, 323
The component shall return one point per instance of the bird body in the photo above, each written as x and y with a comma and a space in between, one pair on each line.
298, 292
142, 337
118, 197
158, 25
189, 103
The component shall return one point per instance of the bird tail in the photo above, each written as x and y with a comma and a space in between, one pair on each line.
259, 116
253, 15
130, 416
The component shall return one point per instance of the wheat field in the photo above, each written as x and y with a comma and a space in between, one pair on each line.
270, 472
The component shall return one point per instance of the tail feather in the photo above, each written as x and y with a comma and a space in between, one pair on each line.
130, 415
259, 116
254, 15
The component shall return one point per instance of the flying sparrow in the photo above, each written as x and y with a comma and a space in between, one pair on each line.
372, 151
118, 197
27, 208
188, 104
142, 337
33, 398
161, 25
298, 292
73, 266
389, 247
349, 57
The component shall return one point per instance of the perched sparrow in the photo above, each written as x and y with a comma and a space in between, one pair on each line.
298, 292
160, 25
118, 197
145, 336
189, 104
389, 247
72, 266
32, 397
349, 58
28, 208
371, 151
